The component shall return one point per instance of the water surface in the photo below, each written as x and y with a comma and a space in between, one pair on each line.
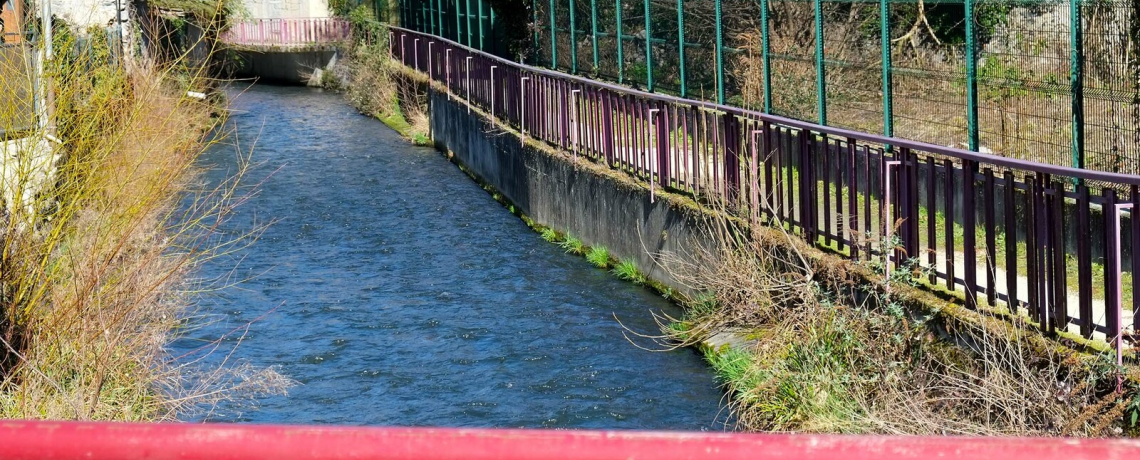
402, 294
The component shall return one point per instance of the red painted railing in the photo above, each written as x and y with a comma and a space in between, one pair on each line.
27, 440
1040, 240
285, 32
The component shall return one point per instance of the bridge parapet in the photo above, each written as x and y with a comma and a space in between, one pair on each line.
288, 32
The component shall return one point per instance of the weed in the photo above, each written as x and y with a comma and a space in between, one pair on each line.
627, 271
572, 245
549, 235
599, 256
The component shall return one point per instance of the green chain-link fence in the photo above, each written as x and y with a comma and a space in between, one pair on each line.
1042, 86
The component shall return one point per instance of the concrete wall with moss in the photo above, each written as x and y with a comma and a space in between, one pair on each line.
587, 200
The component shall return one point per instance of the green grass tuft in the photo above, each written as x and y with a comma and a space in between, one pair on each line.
549, 235
599, 256
573, 245
626, 270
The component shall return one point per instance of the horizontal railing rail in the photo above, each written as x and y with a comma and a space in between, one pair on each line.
1028, 238
288, 31
26, 440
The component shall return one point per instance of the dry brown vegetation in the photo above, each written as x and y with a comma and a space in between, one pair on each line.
373, 81
809, 354
97, 262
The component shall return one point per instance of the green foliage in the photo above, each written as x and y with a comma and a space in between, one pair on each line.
549, 235
573, 245
599, 256
363, 22
627, 271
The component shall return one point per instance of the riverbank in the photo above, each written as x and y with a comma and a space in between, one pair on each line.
100, 246
789, 331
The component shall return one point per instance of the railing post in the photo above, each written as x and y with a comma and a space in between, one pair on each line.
416, 53
888, 220
574, 122
969, 229
553, 39
650, 160
1117, 308
608, 127
447, 64
820, 70
493, 95
431, 74
468, 83
522, 108
731, 144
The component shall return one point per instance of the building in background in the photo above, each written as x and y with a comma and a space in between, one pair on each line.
11, 18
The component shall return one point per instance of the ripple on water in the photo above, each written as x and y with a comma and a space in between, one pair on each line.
405, 295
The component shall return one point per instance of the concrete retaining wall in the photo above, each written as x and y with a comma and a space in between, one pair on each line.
553, 190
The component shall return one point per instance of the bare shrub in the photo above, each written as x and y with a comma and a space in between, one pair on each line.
814, 354
99, 243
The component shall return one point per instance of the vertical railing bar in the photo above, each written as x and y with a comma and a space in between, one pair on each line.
948, 222
991, 239
1084, 264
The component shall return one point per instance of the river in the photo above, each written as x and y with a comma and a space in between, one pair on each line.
395, 291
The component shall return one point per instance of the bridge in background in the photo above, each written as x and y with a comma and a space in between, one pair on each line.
288, 32
290, 50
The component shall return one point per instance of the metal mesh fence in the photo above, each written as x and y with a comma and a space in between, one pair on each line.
1041, 86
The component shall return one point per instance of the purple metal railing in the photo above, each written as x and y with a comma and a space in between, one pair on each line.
292, 31
1035, 239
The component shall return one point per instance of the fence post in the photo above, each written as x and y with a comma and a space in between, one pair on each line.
1077, 82
620, 55
439, 19
553, 40
648, 49
765, 57
534, 12
458, 25
820, 72
594, 29
431, 14
467, 15
971, 78
719, 53
681, 43
888, 80
480, 18
573, 40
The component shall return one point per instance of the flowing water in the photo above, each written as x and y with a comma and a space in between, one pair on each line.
395, 291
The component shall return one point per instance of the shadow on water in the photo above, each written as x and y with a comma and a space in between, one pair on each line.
406, 296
